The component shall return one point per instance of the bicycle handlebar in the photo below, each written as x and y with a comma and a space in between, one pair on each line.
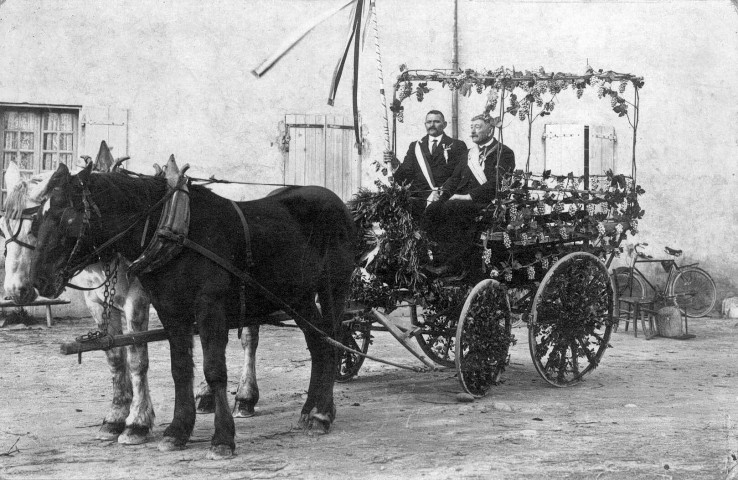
641, 254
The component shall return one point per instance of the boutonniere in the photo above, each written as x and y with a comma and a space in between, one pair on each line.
446, 148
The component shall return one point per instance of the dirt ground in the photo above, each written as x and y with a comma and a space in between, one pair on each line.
662, 408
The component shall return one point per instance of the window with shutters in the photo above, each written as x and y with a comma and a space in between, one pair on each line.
580, 149
37, 139
322, 151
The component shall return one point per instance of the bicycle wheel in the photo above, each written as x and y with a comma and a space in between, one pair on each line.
694, 291
628, 286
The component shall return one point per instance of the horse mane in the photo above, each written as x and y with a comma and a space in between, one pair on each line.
16, 201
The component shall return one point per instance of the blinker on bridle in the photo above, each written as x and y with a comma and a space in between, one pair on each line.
27, 214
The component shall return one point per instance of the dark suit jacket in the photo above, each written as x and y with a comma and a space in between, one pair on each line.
409, 170
464, 182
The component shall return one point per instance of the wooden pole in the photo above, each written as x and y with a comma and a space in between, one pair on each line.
455, 67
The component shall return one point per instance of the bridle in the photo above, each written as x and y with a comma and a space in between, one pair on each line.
27, 214
71, 268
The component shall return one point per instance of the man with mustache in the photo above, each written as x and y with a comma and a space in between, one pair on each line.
430, 162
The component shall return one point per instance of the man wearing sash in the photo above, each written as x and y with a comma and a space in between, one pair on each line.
476, 179
451, 225
430, 162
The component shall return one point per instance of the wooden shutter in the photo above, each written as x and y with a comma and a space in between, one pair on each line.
103, 123
322, 151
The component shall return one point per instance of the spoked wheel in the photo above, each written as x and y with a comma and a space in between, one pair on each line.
356, 335
629, 285
437, 336
694, 291
572, 319
483, 337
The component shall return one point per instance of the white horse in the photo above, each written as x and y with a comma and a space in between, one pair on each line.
131, 415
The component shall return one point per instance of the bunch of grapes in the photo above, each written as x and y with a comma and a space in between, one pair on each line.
634, 226
619, 228
559, 207
506, 240
508, 276
522, 113
600, 91
613, 101
622, 86
480, 87
591, 209
544, 263
524, 238
487, 256
555, 259
580, 91
562, 232
601, 228
550, 106
494, 273
513, 212
572, 209
541, 237
531, 273
541, 208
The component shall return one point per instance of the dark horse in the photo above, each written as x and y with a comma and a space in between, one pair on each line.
302, 240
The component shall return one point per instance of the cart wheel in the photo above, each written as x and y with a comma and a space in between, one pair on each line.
437, 336
356, 335
571, 319
483, 337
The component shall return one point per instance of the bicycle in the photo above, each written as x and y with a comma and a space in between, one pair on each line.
691, 288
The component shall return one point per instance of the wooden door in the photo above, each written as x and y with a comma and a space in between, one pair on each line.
322, 151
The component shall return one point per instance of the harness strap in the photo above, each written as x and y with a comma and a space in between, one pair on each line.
246, 235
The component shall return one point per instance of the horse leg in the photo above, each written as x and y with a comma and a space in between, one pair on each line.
115, 419
319, 410
140, 420
213, 326
178, 432
248, 392
204, 398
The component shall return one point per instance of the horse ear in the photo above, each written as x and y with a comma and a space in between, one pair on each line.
12, 177
104, 160
84, 174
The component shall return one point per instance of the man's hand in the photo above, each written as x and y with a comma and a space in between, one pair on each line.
434, 196
391, 160
460, 197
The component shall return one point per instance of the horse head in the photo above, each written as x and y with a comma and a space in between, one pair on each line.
61, 226
18, 226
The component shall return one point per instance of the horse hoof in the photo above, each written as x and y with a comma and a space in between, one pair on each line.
243, 409
134, 435
220, 452
110, 431
170, 444
206, 404
304, 421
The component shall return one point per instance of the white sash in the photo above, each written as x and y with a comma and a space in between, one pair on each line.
423, 164
424, 167
473, 163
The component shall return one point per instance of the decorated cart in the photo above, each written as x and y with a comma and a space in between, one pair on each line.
540, 251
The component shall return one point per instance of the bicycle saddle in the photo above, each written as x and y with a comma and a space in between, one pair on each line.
672, 251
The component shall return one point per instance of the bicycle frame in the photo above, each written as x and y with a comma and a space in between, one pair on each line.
674, 269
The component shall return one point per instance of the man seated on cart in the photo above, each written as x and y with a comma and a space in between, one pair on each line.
429, 162
473, 185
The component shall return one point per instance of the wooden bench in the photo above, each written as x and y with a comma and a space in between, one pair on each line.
46, 302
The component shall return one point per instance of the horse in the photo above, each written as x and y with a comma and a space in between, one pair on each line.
131, 414
301, 239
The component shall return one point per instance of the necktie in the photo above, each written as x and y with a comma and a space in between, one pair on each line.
482, 156
433, 147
